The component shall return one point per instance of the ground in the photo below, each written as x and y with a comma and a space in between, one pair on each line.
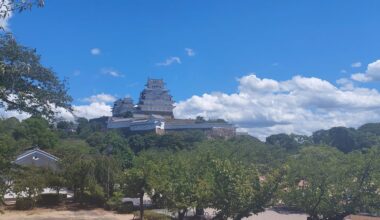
53, 214
101, 214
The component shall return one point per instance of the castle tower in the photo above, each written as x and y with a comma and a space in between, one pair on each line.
123, 108
155, 99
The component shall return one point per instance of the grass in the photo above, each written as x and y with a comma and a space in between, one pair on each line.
151, 215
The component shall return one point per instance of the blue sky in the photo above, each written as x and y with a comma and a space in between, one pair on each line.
276, 40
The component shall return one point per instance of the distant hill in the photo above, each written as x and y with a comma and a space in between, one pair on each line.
345, 139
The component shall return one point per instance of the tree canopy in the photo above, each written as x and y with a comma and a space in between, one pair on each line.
25, 84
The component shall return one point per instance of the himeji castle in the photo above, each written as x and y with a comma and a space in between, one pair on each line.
154, 113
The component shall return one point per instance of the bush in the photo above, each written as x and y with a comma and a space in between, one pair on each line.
115, 202
95, 196
49, 199
126, 207
24, 203
151, 215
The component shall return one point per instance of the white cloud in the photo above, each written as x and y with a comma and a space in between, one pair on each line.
95, 51
356, 65
16, 114
5, 15
99, 105
190, 52
299, 105
102, 97
111, 72
93, 110
371, 74
170, 61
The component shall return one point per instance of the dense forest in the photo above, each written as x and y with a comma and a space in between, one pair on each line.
327, 175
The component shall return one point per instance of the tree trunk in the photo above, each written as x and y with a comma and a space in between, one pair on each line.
181, 214
81, 195
199, 211
142, 205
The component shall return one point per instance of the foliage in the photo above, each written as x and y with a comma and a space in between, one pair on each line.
7, 151
237, 190
28, 184
290, 142
152, 215
327, 184
7, 7
115, 202
25, 84
36, 132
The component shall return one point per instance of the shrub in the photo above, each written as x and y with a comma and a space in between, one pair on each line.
49, 199
24, 203
126, 207
115, 202
151, 215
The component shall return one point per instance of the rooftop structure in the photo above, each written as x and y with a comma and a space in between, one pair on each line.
123, 107
155, 99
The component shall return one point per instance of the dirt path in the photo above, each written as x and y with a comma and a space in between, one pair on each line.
51, 214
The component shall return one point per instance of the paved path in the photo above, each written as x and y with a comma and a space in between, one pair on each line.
46, 214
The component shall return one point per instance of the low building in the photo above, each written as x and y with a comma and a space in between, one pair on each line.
38, 158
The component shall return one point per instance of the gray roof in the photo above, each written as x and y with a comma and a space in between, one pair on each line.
37, 157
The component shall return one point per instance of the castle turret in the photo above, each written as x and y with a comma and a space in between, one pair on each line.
155, 99
123, 108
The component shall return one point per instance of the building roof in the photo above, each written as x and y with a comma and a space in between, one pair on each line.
37, 158
35, 150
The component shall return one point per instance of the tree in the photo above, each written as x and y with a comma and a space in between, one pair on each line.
36, 132
7, 152
137, 178
174, 182
328, 185
25, 84
310, 181
79, 172
29, 183
289, 142
236, 193
9, 6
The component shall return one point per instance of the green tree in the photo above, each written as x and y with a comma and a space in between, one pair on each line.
138, 179
327, 184
28, 185
7, 153
25, 84
36, 132
79, 172
236, 193
173, 180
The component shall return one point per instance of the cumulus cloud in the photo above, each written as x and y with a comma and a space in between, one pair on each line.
111, 72
98, 105
371, 74
298, 105
95, 51
190, 52
102, 97
356, 65
93, 110
5, 15
170, 61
